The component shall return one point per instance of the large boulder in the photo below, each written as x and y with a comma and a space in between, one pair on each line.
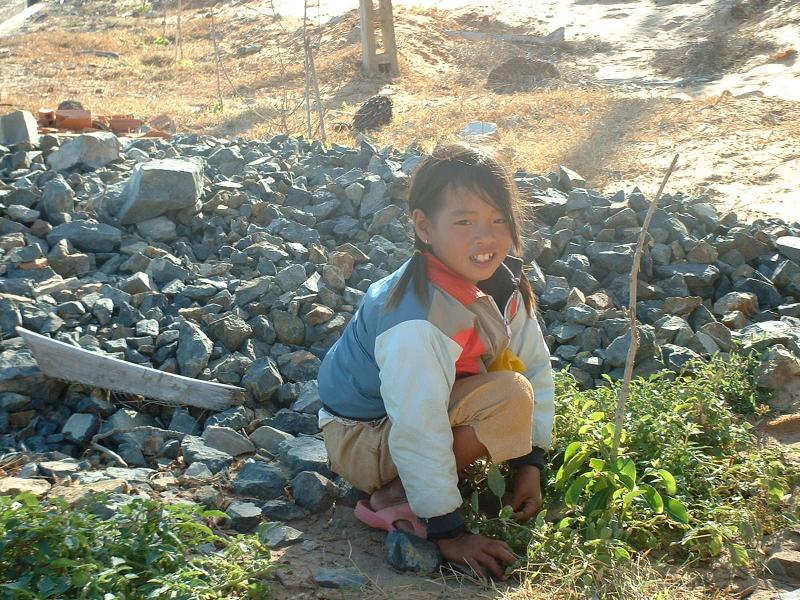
161, 186
17, 127
94, 150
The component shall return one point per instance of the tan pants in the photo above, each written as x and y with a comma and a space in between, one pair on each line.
498, 406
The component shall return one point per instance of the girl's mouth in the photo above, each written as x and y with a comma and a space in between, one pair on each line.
482, 259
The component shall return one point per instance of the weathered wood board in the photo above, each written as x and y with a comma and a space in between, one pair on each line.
70, 363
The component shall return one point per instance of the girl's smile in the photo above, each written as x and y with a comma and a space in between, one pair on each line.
467, 233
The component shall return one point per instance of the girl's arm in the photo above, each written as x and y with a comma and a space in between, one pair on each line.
417, 372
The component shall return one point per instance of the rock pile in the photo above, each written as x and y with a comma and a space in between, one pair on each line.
242, 261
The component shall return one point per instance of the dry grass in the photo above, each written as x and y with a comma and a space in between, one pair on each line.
593, 130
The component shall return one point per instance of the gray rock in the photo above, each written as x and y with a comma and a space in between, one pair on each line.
18, 127
87, 235
407, 552
57, 197
777, 368
198, 471
283, 510
340, 579
227, 440
290, 278
80, 428
313, 491
262, 379
237, 417
269, 438
789, 246
158, 229
10, 318
300, 365
617, 352
184, 422
305, 454
293, 422
126, 418
745, 302
244, 516
161, 186
677, 358
194, 350
309, 400
260, 480
556, 292
230, 331
195, 450
93, 150
278, 535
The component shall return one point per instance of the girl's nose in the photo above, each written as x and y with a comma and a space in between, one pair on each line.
484, 234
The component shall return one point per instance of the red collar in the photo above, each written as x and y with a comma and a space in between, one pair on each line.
451, 282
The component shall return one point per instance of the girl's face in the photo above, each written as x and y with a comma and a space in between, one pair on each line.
468, 234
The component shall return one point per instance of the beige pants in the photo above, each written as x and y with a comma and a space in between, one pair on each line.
498, 406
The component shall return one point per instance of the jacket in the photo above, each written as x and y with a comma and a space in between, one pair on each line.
402, 363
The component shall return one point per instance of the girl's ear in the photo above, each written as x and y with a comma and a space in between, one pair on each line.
422, 225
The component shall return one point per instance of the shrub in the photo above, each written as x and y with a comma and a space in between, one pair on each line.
145, 550
689, 482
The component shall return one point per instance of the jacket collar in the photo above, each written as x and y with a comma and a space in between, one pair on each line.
500, 285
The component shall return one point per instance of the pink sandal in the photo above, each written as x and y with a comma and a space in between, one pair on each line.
386, 518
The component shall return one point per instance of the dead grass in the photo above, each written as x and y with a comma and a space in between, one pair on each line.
720, 52
597, 132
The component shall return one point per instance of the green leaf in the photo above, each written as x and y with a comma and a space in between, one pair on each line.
571, 450
653, 498
677, 510
568, 469
668, 481
597, 464
496, 481
739, 555
214, 514
628, 468
575, 490
598, 501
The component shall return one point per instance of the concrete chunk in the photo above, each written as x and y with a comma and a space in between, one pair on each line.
161, 186
94, 150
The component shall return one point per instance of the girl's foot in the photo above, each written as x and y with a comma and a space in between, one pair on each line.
392, 494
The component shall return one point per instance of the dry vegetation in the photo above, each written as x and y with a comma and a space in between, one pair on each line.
607, 135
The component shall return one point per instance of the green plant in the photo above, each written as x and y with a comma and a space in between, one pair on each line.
161, 41
146, 549
689, 482
142, 9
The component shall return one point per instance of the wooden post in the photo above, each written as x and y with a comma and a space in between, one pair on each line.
377, 59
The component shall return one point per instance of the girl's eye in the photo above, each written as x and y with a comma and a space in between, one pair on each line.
501, 221
464, 222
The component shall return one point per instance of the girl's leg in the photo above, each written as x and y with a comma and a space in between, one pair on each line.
467, 449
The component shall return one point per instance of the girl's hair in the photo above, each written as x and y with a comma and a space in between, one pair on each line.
478, 170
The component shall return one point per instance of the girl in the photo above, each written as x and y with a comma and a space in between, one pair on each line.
444, 363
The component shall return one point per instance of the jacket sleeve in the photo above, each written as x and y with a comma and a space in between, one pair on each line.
527, 342
417, 371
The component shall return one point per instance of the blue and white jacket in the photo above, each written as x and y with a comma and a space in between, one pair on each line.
402, 363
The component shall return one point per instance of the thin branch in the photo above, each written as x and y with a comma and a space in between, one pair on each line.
622, 398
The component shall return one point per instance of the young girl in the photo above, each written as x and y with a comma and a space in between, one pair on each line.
444, 363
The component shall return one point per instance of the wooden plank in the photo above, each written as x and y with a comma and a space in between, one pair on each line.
70, 363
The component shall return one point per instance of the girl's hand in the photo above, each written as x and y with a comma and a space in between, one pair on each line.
478, 553
527, 498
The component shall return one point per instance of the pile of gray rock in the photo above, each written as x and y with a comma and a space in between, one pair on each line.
242, 261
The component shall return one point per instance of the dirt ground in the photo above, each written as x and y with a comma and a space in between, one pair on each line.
640, 81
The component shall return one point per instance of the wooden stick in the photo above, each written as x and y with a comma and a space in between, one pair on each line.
179, 35
320, 110
622, 397
219, 65
306, 70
